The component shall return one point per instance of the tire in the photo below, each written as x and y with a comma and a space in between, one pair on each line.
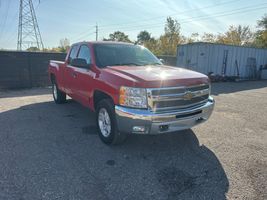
107, 124
59, 96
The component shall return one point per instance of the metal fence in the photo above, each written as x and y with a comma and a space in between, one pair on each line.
25, 69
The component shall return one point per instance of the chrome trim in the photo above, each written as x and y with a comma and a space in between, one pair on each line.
167, 109
179, 96
128, 117
185, 94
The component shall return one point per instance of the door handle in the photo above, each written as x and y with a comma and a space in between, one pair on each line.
74, 75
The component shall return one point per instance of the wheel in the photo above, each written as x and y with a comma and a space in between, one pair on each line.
106, 123
59, 96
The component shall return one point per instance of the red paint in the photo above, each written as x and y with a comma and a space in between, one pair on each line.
110, 79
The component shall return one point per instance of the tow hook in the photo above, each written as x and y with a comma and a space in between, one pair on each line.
200, 119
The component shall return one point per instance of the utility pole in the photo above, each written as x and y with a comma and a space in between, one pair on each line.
28, 30
96, 32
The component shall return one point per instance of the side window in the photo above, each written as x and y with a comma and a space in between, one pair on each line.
73, 53
85, 54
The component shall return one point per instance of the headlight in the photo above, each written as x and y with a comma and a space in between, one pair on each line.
133, 97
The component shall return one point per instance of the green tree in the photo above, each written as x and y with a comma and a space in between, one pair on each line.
261, 35
153, 45
172, 27
143, 36
263, 22
33, 49
209, 37
193, 38
118, 36
237, 35
171, 38
64, 45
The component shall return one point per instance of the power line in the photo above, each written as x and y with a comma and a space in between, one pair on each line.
175, 14
84, 36
210, 6
38, 4
12, 36
201, 17
197, 18
7, 38
5, 18
130, 27
232, 12
82, 33
127, 27
188, 20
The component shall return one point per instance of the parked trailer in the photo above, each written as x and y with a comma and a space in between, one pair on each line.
221, 59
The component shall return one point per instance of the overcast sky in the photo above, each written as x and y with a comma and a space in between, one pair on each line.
75, 19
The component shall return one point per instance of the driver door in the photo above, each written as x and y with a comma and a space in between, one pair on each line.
69, 73
84, 81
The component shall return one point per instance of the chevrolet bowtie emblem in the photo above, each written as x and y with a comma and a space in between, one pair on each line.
188, 95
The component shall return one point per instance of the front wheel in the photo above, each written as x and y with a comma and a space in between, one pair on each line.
59, 96
106, 123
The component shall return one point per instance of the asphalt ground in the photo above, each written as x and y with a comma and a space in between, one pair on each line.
50, 151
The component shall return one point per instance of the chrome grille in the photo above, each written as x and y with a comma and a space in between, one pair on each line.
164, 99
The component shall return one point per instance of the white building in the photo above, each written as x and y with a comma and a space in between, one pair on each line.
221, 59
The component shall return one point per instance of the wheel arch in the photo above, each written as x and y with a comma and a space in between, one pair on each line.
100, 95
52, 77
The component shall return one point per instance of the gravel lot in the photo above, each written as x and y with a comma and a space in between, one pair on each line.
50, 151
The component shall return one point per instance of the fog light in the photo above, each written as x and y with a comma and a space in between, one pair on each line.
139, 129
163, 128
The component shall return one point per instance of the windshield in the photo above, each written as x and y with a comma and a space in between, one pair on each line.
123, 54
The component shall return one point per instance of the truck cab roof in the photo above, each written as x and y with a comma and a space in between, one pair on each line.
101, 42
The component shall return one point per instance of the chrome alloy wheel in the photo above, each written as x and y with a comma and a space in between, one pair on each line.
55, 90
104, 122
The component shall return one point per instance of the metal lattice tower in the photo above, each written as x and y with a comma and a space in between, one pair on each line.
28, 32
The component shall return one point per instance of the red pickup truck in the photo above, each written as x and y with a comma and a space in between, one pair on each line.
130, 90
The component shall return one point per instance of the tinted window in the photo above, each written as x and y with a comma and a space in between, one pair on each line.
85, 54
73, 53
123, 54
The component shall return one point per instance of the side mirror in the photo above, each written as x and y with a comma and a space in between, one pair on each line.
162, 61
80, 62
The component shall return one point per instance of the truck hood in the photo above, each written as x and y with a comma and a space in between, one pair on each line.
158, 76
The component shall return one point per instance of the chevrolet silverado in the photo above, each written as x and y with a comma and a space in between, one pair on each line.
130, 89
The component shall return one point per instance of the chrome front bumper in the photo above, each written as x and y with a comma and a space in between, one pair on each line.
139, 121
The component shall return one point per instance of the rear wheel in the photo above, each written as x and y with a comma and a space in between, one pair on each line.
106, 123
59, 96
